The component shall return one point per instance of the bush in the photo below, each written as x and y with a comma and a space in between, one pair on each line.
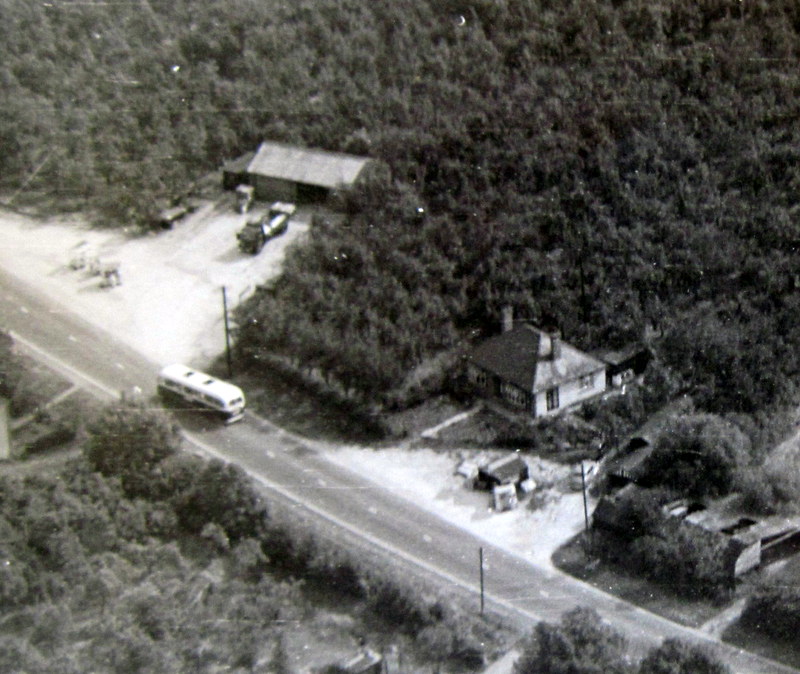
698, 455
775, 611
580, 644
129, 443
224, 495
678, 657
694, 560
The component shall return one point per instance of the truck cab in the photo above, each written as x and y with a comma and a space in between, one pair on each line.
261, 229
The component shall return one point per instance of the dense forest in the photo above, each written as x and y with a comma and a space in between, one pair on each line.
601, 166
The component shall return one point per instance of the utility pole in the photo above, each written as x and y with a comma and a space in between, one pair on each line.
227, 332
585, 506
480, 552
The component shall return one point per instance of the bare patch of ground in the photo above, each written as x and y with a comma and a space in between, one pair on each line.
427, 477
169, 305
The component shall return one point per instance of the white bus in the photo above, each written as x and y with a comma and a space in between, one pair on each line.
198, 387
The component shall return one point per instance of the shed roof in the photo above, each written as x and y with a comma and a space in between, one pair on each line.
726, 515
631, 466
622, 356
506, 468
522, 356
240, 164
309, 167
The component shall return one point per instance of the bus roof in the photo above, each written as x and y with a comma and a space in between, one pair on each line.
190, 376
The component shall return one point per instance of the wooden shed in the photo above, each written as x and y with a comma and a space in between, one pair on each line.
282, 172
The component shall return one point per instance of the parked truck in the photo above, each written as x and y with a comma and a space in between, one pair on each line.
258, 231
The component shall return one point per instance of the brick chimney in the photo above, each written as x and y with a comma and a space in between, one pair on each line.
555, 345
507, 320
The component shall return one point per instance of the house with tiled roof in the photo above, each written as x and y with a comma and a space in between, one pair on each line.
532, 370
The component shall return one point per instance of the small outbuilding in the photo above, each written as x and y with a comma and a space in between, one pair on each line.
623, 365
365, 662
282, 172
628, 463
510, 469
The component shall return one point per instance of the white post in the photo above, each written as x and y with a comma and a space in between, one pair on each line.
5, 437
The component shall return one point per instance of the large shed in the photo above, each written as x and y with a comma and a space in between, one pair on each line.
284, 172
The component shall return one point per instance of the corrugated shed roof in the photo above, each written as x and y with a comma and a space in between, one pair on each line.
310, 167
631, 466
522, 357
727, 512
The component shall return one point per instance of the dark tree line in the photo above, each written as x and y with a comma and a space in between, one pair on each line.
583, 643
600, 167
137, 557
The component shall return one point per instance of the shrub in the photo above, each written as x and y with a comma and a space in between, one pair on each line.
129, 442
698, 455
775, 611
580, 644
224, 495
679, 657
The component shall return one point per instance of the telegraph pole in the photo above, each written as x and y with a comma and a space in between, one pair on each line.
227, 332
585, 507
480, 552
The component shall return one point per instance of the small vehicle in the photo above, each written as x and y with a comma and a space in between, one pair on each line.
109, 274
258, 231
169, 216
244, 198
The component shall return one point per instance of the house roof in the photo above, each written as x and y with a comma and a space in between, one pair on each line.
310, 167
522, 356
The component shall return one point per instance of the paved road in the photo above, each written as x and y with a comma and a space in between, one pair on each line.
293, 469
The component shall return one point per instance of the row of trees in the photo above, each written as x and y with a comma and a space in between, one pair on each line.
140, 558
582, 643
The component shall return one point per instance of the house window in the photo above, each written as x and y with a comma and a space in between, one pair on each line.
514, 395
552, 398
587, 381
478, 376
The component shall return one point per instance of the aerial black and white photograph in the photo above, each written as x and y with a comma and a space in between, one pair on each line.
399, 336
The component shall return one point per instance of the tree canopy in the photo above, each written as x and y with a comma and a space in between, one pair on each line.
600, 167
581, 643
678, 657
698, 455
130, 442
